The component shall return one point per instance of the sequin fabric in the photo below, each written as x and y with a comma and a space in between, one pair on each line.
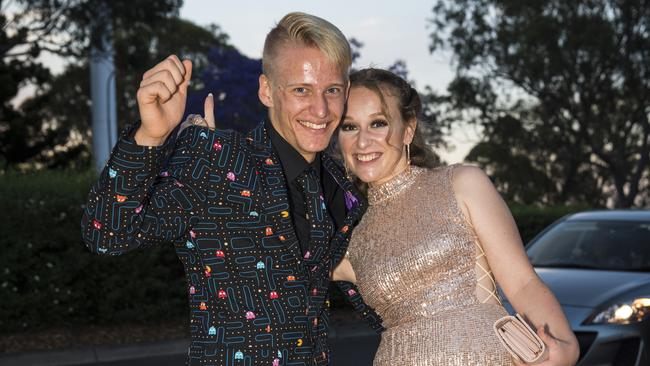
415, 259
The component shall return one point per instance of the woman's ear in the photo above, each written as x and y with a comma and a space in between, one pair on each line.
264, 91
409, 134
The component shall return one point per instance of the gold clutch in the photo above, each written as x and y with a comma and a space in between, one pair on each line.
520, 339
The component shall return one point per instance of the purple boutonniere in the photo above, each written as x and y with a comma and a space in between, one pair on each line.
350, 200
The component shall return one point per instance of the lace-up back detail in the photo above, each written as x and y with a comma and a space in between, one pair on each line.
486, 286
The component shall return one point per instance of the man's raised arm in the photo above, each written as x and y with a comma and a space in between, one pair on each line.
143, 197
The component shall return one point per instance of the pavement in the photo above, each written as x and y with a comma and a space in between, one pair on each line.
352, 343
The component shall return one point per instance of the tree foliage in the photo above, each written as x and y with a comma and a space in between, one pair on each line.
15, 73
54, 124
233, 80
65, 27
560, 89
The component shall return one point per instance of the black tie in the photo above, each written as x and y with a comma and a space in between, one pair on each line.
316, 258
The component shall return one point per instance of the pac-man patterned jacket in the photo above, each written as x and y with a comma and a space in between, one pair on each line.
221, 198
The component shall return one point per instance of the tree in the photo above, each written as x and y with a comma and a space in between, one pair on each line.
36, 132
574, 74
233, 80
62, 104
63, 27
15, 73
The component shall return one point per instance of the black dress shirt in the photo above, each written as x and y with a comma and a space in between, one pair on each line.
293, 164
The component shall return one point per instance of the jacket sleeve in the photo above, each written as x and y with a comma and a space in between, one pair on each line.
145, 195
352, 295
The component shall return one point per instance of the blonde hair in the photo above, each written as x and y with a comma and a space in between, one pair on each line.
307, 30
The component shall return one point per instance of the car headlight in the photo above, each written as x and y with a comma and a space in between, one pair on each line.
625, 312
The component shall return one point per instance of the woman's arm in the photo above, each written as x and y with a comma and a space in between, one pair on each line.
499, 237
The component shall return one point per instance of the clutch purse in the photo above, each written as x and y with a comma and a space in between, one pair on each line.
520, 339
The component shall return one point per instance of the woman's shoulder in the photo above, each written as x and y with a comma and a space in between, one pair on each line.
466, 172
455, 177
466, 179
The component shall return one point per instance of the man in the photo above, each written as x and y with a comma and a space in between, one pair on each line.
258, 220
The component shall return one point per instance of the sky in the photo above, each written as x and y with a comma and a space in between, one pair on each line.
390, 30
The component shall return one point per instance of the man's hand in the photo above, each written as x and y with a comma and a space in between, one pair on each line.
161, 100
197, 120
208, 110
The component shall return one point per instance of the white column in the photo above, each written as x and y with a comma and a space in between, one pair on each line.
102, 88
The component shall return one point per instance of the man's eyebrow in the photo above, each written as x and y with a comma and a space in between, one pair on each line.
341, 85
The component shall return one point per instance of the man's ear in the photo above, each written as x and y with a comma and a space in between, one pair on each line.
409, 134
264, 91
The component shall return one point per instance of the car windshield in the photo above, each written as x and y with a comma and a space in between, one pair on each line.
605, 245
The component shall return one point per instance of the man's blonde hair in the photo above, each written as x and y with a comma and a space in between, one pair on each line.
300, 29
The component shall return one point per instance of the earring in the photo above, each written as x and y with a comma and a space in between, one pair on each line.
408, 157
408, 154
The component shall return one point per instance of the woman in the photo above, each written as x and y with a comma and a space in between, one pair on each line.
427, 251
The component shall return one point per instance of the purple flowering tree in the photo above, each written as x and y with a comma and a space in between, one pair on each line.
233, 80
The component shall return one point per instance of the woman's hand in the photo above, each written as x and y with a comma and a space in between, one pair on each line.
559, 352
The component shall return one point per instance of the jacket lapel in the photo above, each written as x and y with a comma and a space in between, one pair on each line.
274, 195
355, 205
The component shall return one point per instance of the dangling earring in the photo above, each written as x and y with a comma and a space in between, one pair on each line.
408, 157
408, 154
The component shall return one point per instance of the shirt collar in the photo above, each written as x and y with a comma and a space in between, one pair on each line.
293, 164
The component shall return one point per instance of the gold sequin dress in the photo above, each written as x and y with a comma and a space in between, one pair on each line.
418, 262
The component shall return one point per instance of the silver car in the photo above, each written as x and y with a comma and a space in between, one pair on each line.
597, 264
